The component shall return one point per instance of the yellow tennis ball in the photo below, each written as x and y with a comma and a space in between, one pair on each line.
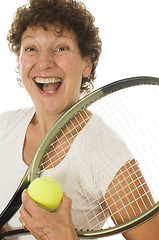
46, 192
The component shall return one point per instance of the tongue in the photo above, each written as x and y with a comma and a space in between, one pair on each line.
51, 87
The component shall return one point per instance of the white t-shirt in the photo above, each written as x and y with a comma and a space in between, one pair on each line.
12, 135
83, 164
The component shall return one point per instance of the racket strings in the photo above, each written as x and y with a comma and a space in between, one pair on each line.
140, 125
94, 219
138, 182
60, 147
135, 201
142, 198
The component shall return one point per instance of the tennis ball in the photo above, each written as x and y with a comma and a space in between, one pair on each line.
46, 192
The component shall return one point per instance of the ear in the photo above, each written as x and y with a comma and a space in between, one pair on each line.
87, 66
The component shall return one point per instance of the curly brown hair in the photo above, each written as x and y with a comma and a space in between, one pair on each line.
71, 15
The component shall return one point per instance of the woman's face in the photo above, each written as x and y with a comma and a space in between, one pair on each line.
51, 68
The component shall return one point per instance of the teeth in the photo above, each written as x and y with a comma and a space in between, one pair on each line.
49, 91
47, 80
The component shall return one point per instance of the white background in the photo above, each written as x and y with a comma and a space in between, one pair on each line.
130, 33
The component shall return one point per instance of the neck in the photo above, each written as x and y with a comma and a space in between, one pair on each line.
45, 121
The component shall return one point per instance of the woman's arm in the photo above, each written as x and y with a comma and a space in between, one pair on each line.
127, 197
44, 225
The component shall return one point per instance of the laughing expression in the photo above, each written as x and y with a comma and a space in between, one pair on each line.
51, 68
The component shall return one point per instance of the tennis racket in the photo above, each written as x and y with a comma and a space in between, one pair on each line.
114, 186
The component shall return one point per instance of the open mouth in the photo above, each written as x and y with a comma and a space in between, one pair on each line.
48, 85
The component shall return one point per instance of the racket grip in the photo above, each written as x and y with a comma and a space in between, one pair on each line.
14, 233
15, 202
11, 208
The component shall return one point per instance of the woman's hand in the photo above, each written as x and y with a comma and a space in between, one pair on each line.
2, 230
47, 226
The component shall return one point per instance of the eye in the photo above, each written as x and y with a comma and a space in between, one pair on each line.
61, 49
30, 49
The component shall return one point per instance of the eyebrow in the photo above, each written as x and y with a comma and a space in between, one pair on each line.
27, 37
57, 37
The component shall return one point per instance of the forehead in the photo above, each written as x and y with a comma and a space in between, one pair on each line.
51, 31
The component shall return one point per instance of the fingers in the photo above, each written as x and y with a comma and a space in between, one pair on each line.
31, 215
32, 207
24, 212
28, 203
29, 211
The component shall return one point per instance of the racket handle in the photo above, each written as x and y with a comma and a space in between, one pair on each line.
13, 233
11, 208
15, 202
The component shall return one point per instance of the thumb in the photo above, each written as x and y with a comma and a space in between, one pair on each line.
66, 203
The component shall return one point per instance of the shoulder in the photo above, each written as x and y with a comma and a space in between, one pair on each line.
105, 140
100, 130
15, 114
11, 118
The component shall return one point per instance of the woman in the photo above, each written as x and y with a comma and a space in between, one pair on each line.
57, 47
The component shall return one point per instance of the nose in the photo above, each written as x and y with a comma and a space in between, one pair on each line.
45, 60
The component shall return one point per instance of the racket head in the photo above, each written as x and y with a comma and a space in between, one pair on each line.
35, 166
78, 108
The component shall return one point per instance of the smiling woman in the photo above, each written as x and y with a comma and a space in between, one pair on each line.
82, 24
51, 68
57, 46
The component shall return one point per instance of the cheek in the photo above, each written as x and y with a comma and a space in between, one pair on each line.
73, 67
25, 66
